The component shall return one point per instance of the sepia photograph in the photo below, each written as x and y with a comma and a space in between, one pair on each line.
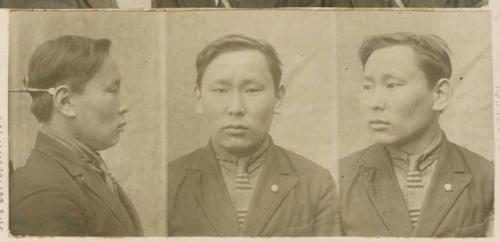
251, 124
87, 124
416, 124
208, 123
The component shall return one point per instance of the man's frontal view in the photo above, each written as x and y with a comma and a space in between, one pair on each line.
413, 182
241, 183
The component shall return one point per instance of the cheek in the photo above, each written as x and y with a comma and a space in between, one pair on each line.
413, 112
263, 110
104, 109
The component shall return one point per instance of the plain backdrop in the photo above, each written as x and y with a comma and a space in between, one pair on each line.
305, 42
138, 162
468, 120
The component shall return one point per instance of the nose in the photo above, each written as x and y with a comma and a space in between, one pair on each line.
236, 105
377, 101
123, 109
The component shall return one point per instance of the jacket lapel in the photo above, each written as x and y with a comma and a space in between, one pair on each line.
427, 3
450, 169
276, 172
129, 206
380, 183
78, 169
258, 3
211, 193
95, 184
102, 3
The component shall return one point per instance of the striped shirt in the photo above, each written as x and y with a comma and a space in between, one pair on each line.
228, 165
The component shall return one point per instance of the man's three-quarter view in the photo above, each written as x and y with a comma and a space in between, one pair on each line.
413, 182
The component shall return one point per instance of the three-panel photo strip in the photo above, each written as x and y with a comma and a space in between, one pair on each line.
194, 120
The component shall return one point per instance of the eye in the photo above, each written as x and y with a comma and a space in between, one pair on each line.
253, 90
219, 90
367, 86
393, 85
113, 89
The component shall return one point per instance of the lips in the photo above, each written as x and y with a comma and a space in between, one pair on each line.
121, 126
235, 129
378, 124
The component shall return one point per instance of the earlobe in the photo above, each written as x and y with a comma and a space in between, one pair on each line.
280, 96
443, 93
62, 101
197, 94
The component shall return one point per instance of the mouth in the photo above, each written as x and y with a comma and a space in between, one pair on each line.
121, 126
235, 129
378, 124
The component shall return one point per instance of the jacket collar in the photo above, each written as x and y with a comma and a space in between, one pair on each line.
209, 188
82, 173
377, 174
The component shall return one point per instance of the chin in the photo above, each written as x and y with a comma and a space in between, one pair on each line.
237, 146
384, 138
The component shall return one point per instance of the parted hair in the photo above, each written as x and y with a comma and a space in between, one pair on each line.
231, 43
432, 53
68, 60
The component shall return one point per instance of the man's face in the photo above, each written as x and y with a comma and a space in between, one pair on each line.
238, 98
396, 98
99, 112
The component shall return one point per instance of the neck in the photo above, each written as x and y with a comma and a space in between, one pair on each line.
419, 144
58, 128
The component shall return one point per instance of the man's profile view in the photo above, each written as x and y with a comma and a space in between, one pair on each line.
65, 188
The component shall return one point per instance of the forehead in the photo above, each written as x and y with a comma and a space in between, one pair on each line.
398, 59
250, 65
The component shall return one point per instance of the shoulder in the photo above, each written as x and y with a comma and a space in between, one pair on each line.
39, 173
477, 164
43, 4
349, 163
186, 160
42, 184
302, 165
178, 168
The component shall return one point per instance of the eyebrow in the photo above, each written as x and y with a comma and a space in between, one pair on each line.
386, 77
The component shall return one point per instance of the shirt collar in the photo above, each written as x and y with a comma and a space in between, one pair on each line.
230, 161
85, 152
427, 157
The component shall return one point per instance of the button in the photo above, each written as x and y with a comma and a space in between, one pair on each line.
448, 187
275, 188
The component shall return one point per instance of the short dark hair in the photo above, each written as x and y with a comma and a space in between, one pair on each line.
68, 60
231, 43
431, 51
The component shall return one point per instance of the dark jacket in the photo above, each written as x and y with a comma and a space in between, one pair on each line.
409, 3
58, 194
199, 204
242, 3
60, 4
372, 203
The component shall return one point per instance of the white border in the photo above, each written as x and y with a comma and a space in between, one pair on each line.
4, 148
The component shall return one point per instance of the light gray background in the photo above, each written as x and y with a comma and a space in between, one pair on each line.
138, 162
305, 43
468, 121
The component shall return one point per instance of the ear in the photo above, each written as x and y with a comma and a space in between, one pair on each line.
62, 101
442, 94
197, 95
280, 96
